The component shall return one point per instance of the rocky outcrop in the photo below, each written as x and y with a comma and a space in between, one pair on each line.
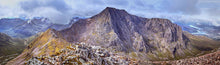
207, 59
82, 54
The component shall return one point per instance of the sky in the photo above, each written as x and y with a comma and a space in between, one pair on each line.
61, 11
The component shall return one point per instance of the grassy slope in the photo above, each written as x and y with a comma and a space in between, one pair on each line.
9, 48
45, 44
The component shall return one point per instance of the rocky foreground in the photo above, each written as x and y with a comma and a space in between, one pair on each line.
208, 59
114, 30
81, 54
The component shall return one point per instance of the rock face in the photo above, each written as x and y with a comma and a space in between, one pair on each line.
125, 32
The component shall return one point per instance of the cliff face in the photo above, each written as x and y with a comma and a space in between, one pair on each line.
118, 29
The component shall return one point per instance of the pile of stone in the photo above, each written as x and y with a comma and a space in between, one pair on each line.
207, 59
82, 54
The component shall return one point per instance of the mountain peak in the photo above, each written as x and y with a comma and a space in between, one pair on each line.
112, 12
110, 8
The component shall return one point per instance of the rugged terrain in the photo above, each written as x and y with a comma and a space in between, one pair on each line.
122, 33
81, 53
207, 59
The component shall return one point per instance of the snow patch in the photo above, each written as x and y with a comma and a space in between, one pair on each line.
199, 31
29, 21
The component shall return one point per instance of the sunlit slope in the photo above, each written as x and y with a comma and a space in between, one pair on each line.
46, 44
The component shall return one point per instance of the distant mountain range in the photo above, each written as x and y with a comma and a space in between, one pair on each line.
20, 28
23, 28
204, 29
120, 32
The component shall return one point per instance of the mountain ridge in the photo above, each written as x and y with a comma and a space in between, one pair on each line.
118, 22
116, 30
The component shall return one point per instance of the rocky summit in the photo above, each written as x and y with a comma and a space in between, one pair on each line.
82, 54
119, 32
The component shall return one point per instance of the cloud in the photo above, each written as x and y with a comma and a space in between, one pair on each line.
55, 10
214, 11
180, 6
61, 11
59, 5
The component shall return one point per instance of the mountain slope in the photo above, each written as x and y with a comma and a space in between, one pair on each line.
117, 29
46, 44
6, 24
9, 47
207, 59
121, 32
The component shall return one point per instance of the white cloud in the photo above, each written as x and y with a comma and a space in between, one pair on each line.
10, 3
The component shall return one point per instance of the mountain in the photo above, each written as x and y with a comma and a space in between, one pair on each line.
29, 28
8, 44
211, 30
187, 27
120, 32
6, 23
20, 28
114, 28
48, 43
201, 28
9, 47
